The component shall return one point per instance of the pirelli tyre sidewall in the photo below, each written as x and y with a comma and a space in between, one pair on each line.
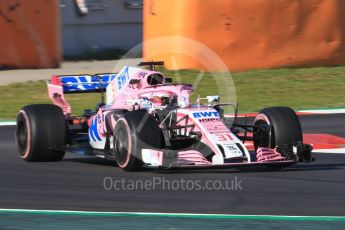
41, 133
135, 131
285, 128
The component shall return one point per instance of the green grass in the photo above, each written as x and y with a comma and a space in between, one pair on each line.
299, 88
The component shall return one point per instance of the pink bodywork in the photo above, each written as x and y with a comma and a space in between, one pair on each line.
56, 95
143, 89
266, 155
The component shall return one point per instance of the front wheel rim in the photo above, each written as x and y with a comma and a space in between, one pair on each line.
22, 136
262, 134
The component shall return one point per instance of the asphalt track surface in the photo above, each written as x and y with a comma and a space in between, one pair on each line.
77, 183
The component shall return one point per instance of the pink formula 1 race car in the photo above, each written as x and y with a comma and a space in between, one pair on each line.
148, 121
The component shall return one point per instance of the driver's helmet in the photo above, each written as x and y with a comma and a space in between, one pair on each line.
160, 99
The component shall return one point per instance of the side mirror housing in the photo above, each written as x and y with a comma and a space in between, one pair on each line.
168, 80
134, 81
212, 99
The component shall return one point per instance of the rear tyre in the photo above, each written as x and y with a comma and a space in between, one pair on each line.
135, 131
278, 127
41, 133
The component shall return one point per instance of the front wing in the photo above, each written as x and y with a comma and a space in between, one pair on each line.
272, 164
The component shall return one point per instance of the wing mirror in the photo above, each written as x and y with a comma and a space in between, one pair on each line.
134, 81
211, 100
168, 80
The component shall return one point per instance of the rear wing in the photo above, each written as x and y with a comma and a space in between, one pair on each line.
83, 83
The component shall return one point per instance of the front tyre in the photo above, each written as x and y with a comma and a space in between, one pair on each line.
135, 131
278, 127
41, 133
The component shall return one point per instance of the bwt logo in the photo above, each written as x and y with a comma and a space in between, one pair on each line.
205, 114
122, 78
86, 82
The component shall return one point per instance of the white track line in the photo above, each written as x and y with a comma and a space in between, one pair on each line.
7, 123
314, 111
338, 150
323, 111
176, 215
